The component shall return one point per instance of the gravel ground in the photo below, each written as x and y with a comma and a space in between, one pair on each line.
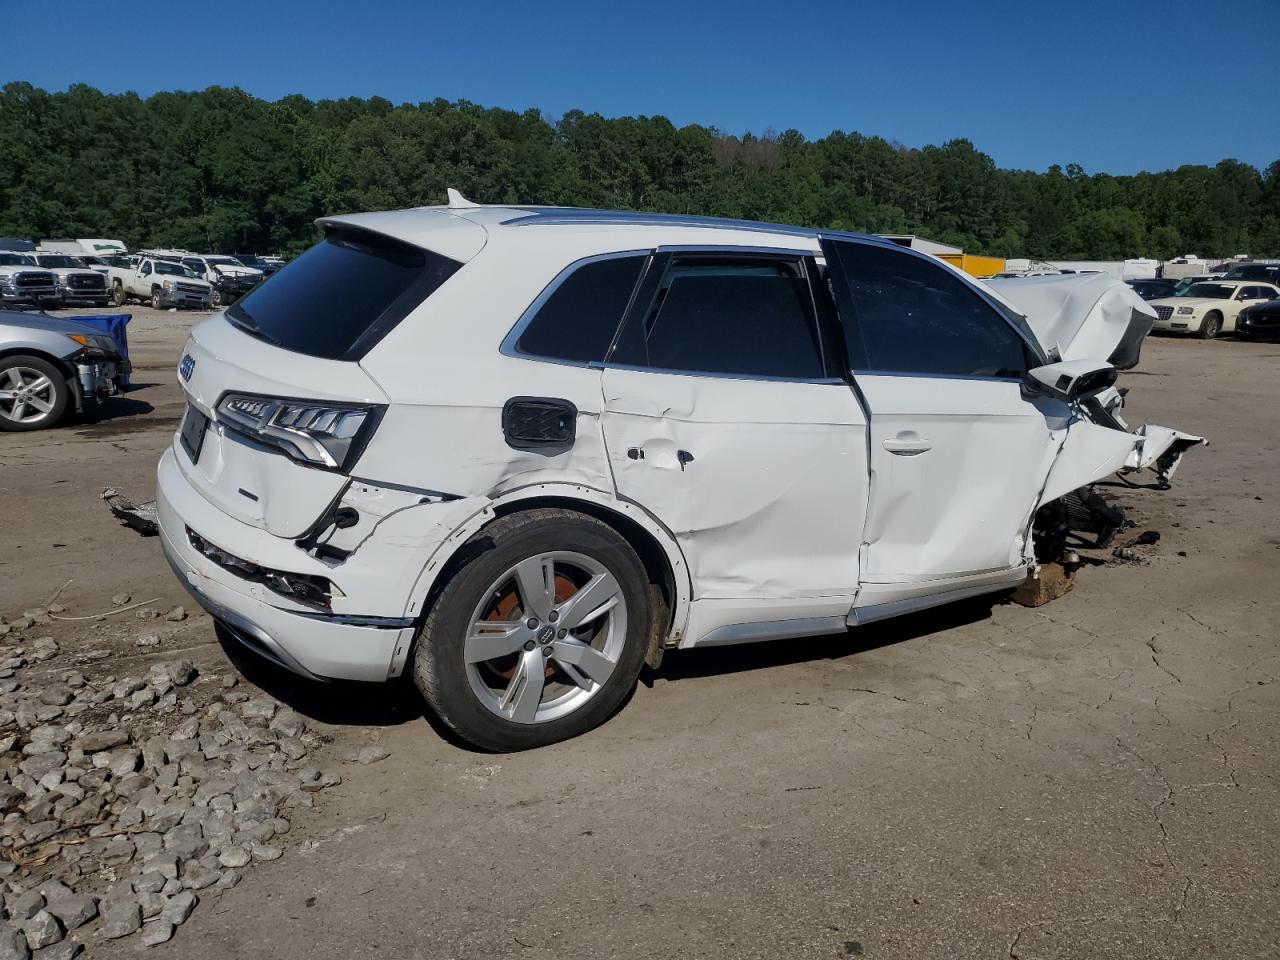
1095, 778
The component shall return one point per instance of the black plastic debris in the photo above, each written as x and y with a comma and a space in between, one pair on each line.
140, 517
1144, 539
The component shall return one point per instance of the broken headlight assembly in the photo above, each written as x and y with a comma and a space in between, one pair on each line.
94, 343
326, 435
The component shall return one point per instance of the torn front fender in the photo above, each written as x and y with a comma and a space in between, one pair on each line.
1093, 452
1161, 450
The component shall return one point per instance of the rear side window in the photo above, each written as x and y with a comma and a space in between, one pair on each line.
913, 316
738, 317
342, 296
577, 318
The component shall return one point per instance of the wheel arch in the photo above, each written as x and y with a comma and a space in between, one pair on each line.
67, 370
654, 543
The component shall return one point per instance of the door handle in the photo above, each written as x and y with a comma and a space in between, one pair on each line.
907, 445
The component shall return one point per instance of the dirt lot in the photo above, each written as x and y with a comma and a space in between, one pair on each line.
1097, 778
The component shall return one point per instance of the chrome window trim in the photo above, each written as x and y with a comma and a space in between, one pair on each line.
729, 249
508, 347
934, 376
712, 375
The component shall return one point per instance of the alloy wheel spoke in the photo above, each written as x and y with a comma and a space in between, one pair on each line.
41, 383
20, 410
600, 594
15, 378
491, 639
524, 693
41, 404
584, 657
536, 584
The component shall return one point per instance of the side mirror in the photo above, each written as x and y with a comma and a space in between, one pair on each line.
1069, 380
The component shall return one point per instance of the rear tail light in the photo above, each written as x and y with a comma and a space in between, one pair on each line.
326, 435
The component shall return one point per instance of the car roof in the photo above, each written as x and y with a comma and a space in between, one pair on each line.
460, 232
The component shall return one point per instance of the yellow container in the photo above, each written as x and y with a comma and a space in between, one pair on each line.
974, 264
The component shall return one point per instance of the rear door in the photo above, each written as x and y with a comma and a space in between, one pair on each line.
958, 455
726, 416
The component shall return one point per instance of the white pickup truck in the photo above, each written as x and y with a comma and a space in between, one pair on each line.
162, 283
75, 281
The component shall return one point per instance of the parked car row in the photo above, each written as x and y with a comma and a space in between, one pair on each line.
49, 280
98, 272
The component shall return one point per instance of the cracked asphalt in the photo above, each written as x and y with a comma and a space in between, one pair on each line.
1095, 778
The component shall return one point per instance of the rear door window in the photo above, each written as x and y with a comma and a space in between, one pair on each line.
576, 317
915, 317
749, 317
342, 296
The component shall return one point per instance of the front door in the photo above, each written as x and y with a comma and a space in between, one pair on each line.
958, 454
723, 420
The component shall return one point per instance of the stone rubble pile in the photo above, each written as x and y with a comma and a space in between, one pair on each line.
125, 800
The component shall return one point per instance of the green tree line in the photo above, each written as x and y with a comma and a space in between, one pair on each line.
220, 170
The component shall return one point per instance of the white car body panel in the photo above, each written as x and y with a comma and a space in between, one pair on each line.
1075, 316
933, 443
797, 513
763, 454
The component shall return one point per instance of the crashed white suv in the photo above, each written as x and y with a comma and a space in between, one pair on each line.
522, 451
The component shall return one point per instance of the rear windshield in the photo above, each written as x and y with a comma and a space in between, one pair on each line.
342, 296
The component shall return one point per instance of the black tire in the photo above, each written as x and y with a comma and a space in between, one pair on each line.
439, 666
58, 394
117, 294
1210, 326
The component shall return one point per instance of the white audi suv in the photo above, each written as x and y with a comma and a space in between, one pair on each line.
518, 452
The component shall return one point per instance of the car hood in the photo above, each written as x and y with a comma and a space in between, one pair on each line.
42, 321
1081, 316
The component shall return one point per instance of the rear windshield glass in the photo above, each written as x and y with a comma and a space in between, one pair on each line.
342, 296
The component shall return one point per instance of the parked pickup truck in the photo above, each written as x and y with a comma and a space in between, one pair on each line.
22, 281
231, 279
162, 283
75, 280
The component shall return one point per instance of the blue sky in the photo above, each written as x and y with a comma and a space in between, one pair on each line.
1116, 86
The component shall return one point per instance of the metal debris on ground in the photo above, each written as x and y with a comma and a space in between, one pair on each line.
141, 516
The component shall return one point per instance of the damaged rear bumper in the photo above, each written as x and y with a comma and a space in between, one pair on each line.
306, 641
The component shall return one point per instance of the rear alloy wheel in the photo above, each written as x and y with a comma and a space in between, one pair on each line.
33, 394
538, 638
1210, 326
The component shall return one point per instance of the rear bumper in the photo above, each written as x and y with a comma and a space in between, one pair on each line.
306, 642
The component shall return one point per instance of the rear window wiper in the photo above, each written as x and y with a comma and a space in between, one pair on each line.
250, 326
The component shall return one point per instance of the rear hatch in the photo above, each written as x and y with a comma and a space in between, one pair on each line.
298, 336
